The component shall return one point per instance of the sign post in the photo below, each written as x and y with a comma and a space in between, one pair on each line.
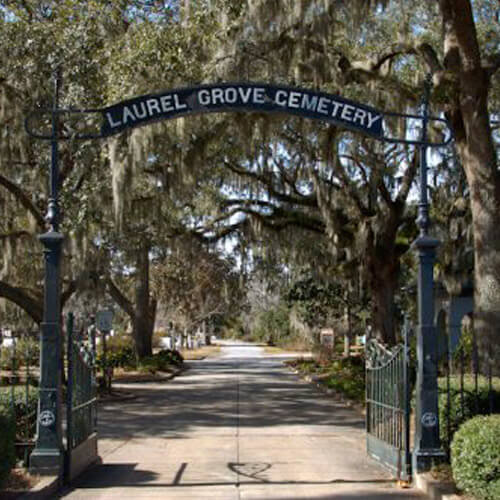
104, 323
427, 448
48, 455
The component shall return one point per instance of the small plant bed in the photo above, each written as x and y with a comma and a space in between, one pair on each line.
344, 376
207, 351
281, 350
17, 483
123, 367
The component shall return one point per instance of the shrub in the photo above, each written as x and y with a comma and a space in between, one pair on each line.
7, 440
347, 376
161, 361
475, 457
171, 356
120, 353
23, 406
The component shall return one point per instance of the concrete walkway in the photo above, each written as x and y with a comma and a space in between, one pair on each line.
237, 427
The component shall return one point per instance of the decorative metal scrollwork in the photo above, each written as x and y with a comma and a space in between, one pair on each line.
378, 355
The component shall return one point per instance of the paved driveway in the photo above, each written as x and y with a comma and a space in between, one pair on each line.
237, 427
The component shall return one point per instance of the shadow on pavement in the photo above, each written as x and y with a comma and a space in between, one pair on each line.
222, 394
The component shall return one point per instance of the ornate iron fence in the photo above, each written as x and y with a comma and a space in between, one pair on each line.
466, 383
81, 400
388, 407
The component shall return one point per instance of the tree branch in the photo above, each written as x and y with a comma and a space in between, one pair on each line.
120, 298
24, 200
31, 305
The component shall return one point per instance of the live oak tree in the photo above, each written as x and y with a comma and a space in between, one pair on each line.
37, 37
311, 41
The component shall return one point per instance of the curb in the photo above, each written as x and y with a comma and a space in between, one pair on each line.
148, 380
435, 489
46, 488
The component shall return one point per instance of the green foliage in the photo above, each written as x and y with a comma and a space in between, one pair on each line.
463, 407
120, 353
317, 300
272, 325
162, 361
23, 402
475, 457
347, 376
26, 352
7, 439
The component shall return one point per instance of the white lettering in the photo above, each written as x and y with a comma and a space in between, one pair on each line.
336, 105
323, 105
347, 112
112, 123
204, 97
217, 95
244, 94
259, 95
177, 103
231, 95
127, 114
143, 111
359, 115
166, 103
153, 106
294, 100
372, 119
309, 102
280, 97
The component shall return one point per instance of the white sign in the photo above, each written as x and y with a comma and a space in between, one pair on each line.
104, 320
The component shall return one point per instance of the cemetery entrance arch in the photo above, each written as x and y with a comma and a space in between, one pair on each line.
49, 455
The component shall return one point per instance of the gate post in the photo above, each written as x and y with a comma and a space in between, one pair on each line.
48, 455
427, 443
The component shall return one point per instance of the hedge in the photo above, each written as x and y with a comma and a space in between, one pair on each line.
7, 442
475, 457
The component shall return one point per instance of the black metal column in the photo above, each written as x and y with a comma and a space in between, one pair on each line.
48, 455
427, 448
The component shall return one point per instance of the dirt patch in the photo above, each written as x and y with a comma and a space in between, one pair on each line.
18, 483
201, 353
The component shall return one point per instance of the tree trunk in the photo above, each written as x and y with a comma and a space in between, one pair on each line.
469, 117
145, 307
383, 292
383, 269
348, 327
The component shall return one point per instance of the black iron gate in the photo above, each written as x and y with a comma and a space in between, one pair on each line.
81, 401
388, 407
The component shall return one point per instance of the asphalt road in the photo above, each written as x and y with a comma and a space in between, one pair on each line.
240, 426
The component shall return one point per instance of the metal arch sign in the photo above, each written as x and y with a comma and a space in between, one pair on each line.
241, 97
238, 97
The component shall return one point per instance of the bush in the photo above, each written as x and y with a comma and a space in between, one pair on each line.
24, 409
475, 457
473, 404
347, 376
7, 442
171, 356
120, 353
162, 361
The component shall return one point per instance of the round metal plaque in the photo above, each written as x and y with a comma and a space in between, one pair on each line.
429, 419
46, 418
